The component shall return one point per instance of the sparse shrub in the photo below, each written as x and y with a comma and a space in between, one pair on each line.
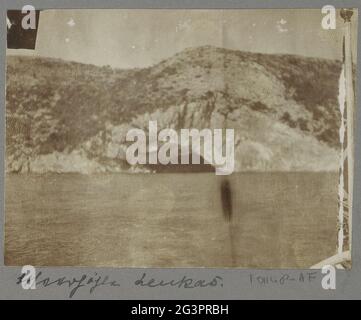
259, 106
286, 118
169, 71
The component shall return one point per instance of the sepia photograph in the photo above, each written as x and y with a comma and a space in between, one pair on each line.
180, 138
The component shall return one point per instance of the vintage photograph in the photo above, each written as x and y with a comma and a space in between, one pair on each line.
180, 138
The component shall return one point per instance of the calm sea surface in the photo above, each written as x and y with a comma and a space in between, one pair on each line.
170, 220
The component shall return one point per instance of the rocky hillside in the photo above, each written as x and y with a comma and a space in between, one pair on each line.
71, 117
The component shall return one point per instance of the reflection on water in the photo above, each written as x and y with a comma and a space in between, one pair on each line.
279, 220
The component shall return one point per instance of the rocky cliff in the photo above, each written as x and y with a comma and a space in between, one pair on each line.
71, 117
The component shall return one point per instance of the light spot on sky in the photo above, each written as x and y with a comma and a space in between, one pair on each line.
67, 40
71, 23
183, 25
280, 26
281, 29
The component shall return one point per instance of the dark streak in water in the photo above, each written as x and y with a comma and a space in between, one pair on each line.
226, 196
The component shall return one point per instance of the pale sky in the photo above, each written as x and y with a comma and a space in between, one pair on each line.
140, 38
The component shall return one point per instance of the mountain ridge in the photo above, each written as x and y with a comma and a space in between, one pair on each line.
71, 117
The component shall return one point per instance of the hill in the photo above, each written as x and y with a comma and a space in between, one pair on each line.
70, 117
